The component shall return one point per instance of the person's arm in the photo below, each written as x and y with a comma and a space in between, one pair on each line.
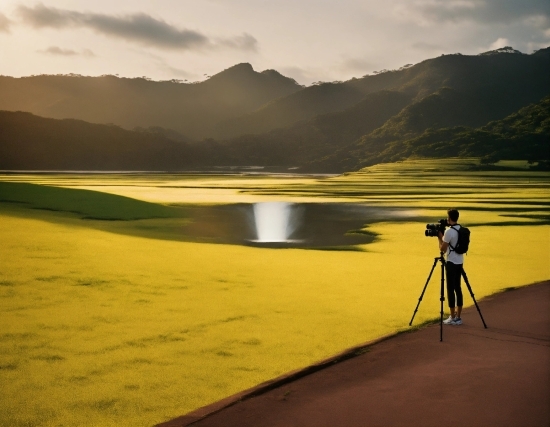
442, 244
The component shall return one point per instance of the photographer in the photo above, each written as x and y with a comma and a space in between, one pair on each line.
447, 243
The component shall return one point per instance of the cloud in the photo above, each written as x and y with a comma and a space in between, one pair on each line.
500, 42
137, 28
4, 24
163, 65
56, 50
242, 42
484, 11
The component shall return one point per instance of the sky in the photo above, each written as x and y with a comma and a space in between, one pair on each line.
308, 40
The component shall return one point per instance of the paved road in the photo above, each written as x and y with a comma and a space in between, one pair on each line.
498, 376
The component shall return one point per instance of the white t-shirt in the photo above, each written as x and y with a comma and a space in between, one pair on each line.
451, 237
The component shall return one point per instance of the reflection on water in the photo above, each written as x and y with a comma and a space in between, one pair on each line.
275, 221
285, 225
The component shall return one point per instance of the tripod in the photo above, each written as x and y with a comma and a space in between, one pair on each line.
442, 295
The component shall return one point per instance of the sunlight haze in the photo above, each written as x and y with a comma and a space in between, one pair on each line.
307, 40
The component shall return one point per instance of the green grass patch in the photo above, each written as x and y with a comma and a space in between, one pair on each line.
85, 203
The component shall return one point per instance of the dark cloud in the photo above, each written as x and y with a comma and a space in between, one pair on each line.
139, 28
56, 50
484, 11
4, 24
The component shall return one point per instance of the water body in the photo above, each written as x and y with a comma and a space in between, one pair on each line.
286, 225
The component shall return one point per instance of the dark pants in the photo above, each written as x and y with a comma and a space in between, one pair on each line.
454, 273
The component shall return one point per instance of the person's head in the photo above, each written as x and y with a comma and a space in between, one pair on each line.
452, 215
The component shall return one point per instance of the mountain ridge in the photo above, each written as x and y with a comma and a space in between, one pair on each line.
454, 70
29, 142
328, 127
191, 109
524, 134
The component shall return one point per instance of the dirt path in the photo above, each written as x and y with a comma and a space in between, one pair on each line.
498, 376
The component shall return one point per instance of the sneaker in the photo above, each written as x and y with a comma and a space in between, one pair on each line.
456, 321
449, 321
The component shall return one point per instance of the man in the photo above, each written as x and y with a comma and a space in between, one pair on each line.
447, 243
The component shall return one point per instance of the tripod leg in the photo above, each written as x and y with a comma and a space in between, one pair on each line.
423, 290
442, 297
472, 294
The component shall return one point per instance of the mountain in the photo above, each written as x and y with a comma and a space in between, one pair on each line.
342, 141
239, 100
284, 111
451, 104
29, 142
524, 134
315, 138
516, 79
193, 110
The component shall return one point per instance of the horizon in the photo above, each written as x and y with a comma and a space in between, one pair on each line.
180, 81
190, 41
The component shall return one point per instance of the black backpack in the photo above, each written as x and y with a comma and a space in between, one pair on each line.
463, 240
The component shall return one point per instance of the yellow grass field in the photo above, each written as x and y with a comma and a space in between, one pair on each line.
102, 328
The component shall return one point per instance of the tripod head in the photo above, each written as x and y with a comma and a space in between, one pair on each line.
441, 258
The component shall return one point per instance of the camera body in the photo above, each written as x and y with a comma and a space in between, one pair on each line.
432, 230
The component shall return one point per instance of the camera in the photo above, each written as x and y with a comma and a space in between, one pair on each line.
432, 230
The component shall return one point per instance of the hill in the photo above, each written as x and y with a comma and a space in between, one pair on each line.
524, 134
239, 100
317, 137
449, 91
190, 109
514, 78
451, 105
84, 203
29, 142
